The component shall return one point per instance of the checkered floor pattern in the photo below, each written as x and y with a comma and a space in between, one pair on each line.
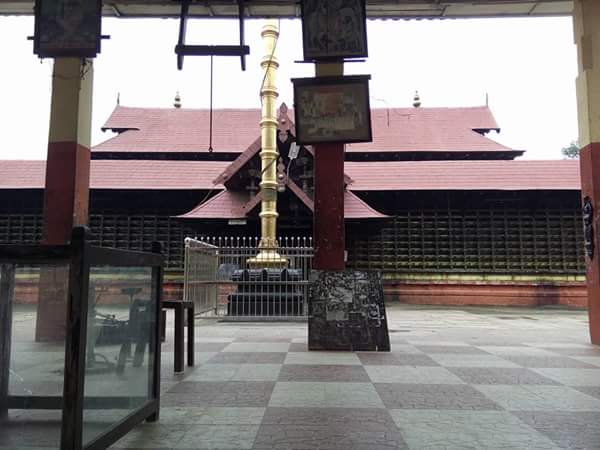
455, 379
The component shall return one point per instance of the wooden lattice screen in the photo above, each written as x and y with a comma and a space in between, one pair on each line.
478, 240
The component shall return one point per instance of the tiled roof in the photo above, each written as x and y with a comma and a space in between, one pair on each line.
355, 208
126, 174
180, 130
224, 205
431, 130
367, 176
229, 205
234, 130
464, 175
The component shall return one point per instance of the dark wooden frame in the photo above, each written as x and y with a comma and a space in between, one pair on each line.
182, 49
80, 256
362, 81
179, 307
87, 52
307, 33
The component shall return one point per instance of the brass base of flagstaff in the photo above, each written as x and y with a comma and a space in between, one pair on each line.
268, 258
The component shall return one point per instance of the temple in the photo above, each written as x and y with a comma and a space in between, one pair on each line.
447, 214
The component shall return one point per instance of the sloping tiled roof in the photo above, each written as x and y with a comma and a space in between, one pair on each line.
180, 130
224, 205
355, 208
431, 130
126, 174
464, 175
230, 205
367, 176
234, 130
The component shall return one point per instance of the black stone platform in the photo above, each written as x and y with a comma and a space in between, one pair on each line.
266, 292
347, 312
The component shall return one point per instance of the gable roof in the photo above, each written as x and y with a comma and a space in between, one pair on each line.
125, 174
431, 130
180, 130
464, 175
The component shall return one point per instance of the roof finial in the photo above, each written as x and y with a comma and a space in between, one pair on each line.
416, 100
118, 98
177, 102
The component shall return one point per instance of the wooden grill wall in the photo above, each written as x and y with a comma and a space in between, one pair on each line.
489, 234
514, 233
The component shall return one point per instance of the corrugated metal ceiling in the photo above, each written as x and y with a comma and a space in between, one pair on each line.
390, 9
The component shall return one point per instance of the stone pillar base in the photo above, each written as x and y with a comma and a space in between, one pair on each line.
347, 312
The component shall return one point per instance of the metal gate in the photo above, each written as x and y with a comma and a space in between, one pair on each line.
213, 282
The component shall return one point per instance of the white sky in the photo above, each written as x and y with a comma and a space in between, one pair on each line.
526, 66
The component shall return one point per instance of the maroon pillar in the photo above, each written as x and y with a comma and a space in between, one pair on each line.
67, 190
329, 236
590, 188
67, 183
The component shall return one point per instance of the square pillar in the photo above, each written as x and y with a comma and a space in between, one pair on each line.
329, 235
586, 21
66, 193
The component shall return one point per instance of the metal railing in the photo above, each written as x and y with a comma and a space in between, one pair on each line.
218, 281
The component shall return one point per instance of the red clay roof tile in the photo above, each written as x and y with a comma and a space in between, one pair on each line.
234, 130
464, 175
126, 174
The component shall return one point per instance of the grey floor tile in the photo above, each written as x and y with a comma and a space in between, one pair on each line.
572, 430
395, 359
152, 436
460, 430
307, 437
468, 360
446, 349
210, 393
203, 347
325, 395
572, 377
515, 350
500, 375
235, 372
219, 437
352, 428
211, 415
593, 391
298, 347
408, 374
434, 396
327, 358
548, 362
593, 360
321, 372
257, 347
264, 337
247, 358
591, 351
539, 398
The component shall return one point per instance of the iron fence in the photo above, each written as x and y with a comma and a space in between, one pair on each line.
220, 283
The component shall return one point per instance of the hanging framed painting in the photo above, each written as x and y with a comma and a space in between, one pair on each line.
332, 109
67, 28
334, 29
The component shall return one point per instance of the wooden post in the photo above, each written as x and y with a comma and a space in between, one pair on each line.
329, 234
586, 20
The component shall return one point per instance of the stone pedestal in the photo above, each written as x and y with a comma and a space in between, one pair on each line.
347, 312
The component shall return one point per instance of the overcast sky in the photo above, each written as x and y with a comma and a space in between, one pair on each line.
526, 66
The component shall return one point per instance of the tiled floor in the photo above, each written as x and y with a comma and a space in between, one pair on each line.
456, 379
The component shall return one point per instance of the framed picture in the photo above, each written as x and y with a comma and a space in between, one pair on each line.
332, 109
65, 28
334, 29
